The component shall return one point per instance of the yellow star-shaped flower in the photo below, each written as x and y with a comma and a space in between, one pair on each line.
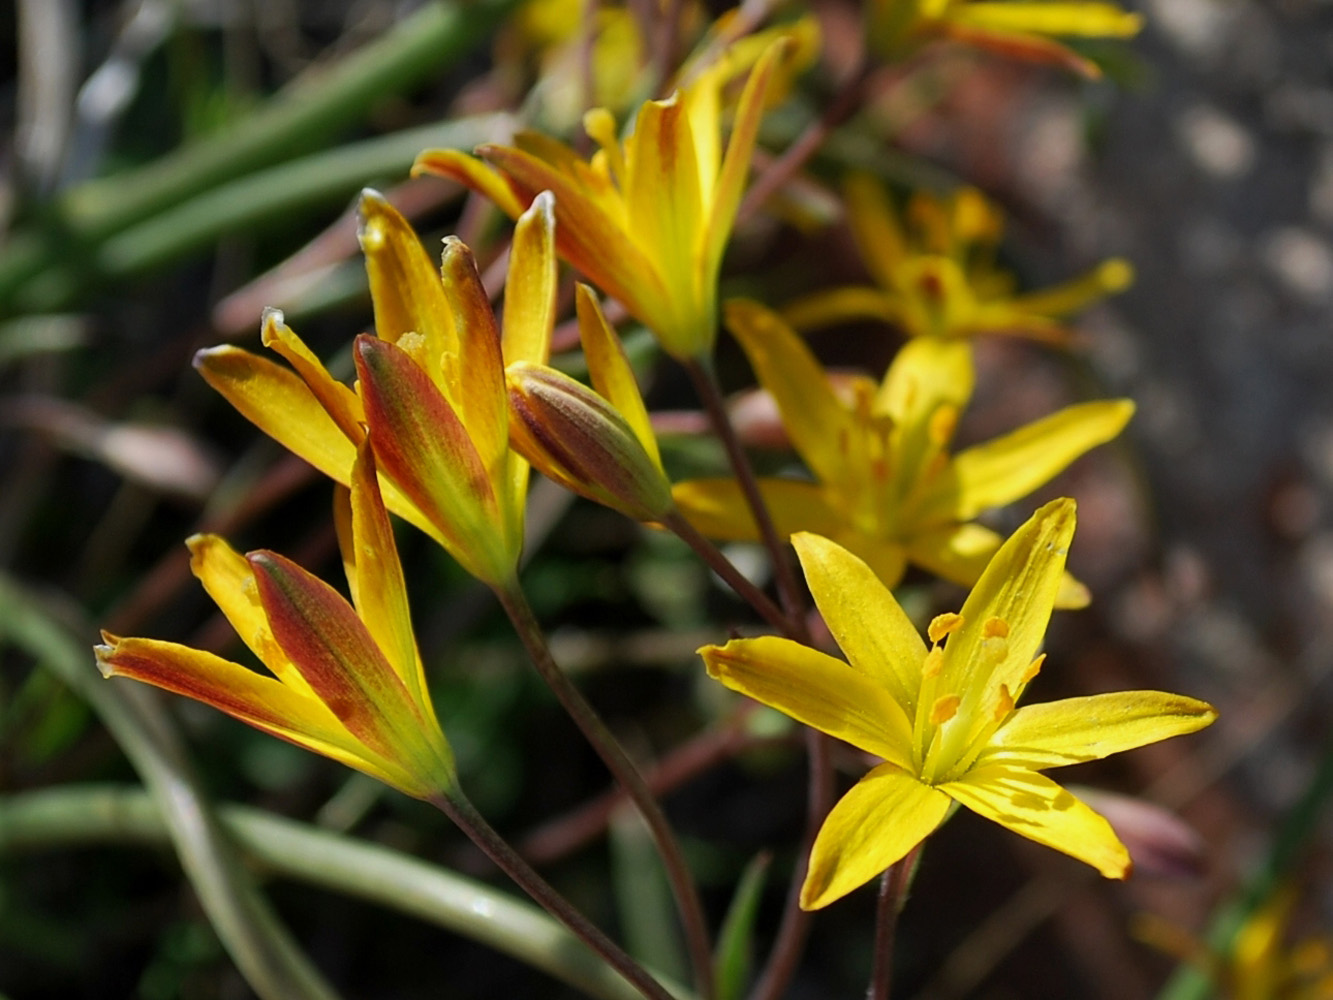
1017, 30
885, 486
943, 717
346, 680
935, 273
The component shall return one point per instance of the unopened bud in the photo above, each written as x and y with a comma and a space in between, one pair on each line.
574, 436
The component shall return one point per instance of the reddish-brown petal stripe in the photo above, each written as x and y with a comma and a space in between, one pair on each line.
334, 652
422, 445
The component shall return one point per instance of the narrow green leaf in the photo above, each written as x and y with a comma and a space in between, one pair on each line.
735, 942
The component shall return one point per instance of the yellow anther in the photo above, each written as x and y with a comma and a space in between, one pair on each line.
1005, 704
942, 625
1034, 668
995, 628
942, 424
934, 663
944, 709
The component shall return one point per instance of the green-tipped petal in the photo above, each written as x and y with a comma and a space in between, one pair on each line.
529, 306
1035, 807
404, 284
816, 689
610, 369
870, 626
884, 816
455, 165
281, 405
1056, 733
816, 420
1010, 467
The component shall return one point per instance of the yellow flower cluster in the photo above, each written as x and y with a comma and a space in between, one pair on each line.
451, 406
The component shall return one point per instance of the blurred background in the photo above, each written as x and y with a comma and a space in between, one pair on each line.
168, 169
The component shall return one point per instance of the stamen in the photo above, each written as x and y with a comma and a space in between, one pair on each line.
600, 125
995, 628
1005, 705
934, 663
1034, 668
944, 709
942, 424
942, 625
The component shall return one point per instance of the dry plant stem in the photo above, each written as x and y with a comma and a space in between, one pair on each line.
623, 770
457, 807
727, 570
781, 170
570, 832
790, 943
892, 894
704, 376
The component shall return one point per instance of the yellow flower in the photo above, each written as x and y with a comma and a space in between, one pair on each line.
936, 273
1019, 30
885, 486
646, 221
347, 680
431, 386
943, 718
1265, 966
599, 444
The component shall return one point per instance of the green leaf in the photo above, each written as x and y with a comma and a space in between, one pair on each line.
735, 942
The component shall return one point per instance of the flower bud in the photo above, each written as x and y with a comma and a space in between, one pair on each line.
580, 440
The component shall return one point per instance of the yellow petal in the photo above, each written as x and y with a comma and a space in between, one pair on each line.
472, 173
529, 307
1035, 807
717, 508
1020, 45
380, 594
870, 626
815, 689
590, 236
1010, 467
281, 405
819, 426
1107, 278
884, 816
842, 305
230, 582
926, 387
1074, 730
475, 382
874, 224
256, 700
726, 196
404, 283
610, 369
961, 552
338, 400
1018, 587
1089, 20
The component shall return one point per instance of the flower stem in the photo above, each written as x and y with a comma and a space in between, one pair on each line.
704, 376
790, 942
727, 570
892, 895
456, 806
627, 775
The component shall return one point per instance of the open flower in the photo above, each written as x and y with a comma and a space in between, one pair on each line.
943, 718
936, 276
646, 220
885, 486
596, 442
431, 385
347, 680
1017, 30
